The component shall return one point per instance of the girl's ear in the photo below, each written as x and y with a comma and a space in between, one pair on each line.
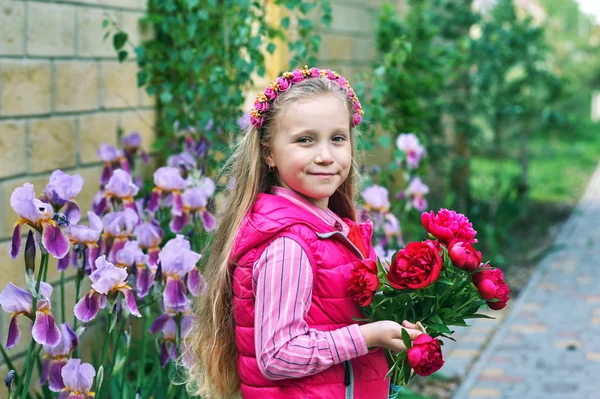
268, 157
269, 161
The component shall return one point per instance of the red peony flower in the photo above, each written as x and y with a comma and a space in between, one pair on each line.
448, 225
490, 283
425, 356
416, 266
463, 255
364, 282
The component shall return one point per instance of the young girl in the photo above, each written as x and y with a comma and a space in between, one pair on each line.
277, 320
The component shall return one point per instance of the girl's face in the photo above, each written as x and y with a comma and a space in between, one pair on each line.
311, 148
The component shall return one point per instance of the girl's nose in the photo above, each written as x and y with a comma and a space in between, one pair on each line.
324, 155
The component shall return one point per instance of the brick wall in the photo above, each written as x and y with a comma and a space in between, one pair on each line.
62, 93
347, 45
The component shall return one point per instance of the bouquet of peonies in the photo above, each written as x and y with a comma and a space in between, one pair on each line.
439, 282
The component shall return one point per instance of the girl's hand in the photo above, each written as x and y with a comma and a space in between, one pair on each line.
388, 334
416, 326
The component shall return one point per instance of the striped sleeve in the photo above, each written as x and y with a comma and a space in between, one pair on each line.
285, 345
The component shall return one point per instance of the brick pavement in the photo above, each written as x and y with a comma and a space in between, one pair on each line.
548, 345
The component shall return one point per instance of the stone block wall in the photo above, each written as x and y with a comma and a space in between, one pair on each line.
62, 94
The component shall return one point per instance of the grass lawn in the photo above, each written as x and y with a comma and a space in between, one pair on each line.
560, 168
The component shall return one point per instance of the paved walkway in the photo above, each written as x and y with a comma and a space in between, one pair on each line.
548, 344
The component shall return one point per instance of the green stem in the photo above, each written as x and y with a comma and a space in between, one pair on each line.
78, 278
105, 351
77, 289
63, 316
27, 367
116, 345
8, 363
142, 365
24, 393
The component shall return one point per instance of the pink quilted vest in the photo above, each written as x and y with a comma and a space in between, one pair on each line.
332, 257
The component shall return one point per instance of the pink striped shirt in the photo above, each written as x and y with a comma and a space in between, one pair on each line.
282, 283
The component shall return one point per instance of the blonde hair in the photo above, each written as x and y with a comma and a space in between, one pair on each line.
211, 342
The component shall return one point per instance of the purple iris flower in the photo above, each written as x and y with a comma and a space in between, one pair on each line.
194, 200
168, 180
112, 158
416, 191
376, 198
167, 325
107, 282
42, 218
391, 228
132, 144
100, 203
56, 358
118, 228
62, 189
132, 141
184, 161
177, 260
121, 186
149, 235
18, 301
196, 148
414, 151
132, 256
78, 379
85, 238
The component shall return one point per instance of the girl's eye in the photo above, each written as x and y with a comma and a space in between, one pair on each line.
304, 140
339, 138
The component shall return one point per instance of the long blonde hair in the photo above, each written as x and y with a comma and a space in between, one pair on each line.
211, 343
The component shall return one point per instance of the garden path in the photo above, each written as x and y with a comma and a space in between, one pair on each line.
548, 343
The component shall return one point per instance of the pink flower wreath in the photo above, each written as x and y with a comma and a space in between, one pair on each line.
265, 99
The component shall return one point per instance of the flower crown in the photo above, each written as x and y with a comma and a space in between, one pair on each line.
284, 82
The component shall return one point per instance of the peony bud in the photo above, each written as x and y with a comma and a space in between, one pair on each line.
464, 255
425, 356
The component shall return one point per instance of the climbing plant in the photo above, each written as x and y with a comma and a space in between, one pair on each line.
204, 55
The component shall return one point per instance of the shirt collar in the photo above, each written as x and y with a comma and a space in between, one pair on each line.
328, 216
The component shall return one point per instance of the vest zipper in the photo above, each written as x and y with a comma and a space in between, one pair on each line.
349, 379
346, 240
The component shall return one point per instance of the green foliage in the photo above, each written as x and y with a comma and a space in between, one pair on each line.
204, 55
406, 86
513, 81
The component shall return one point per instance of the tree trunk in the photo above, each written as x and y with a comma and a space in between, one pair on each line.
523, 188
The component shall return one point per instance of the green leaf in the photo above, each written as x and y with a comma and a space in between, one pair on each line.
440, 328
306, 7
305, 23
479, 316
285, 22
385, 141
406, 339
166, 97
192, 3
122, 55
406, 371
271, 48
203, 15
105, 23
119, 40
